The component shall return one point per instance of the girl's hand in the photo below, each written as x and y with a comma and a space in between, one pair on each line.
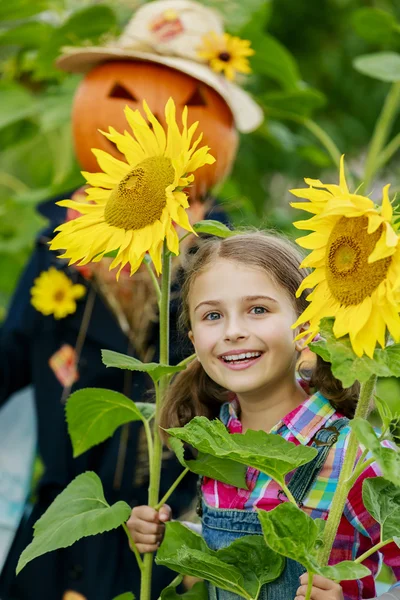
322, 589
147, 528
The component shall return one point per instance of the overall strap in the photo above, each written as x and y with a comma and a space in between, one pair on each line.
305, 475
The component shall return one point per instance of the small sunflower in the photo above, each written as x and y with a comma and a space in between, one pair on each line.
356, 261
226, 54
54, 293
133, 206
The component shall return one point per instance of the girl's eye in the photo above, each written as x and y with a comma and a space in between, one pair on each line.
259, 310
212, 316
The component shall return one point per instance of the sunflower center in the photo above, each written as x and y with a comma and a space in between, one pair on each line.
59, 296
139, 198
349, 276
224, 56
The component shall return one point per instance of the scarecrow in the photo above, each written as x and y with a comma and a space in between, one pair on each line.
60, 317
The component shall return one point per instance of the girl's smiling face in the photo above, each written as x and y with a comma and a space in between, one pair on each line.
241, 329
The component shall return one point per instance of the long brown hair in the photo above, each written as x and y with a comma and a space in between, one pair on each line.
193, 392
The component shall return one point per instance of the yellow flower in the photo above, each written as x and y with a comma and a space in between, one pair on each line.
54, 294
356, 261
226, 54
133, 206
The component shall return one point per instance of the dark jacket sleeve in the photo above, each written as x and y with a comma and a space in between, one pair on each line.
17, 331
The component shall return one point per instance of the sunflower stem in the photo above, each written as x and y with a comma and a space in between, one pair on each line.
154, 280
382, 129
309, 586
155, 464
345, 482
324, 139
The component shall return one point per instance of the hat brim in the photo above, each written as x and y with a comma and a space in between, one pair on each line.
246, 112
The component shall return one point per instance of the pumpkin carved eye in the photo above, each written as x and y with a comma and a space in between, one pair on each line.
196, 98
119, 91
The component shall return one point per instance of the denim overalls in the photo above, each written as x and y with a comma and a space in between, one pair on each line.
223, 526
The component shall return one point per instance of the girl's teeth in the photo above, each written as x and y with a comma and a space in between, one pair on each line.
244, 355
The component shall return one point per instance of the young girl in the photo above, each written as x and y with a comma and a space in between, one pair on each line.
239, 304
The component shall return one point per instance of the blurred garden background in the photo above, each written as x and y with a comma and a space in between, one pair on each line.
322, 71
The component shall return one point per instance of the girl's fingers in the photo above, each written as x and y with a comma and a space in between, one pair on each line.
320, 582
334, 592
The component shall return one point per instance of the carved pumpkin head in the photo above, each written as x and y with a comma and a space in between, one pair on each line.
106, 89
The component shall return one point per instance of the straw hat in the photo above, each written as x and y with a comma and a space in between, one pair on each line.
170, 32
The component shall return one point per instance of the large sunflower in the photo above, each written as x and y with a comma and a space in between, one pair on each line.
226, 54
53, 293
356, 261
133, 206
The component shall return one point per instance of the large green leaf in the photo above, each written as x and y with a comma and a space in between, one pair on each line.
93, 415
20, 9
236, 13
26, 35
15, 103
375, 25
197, 592
382, 65
382, 501
266, 452
79, 511
89, 23
221, 469
294, 102
387, 458
213, 228
291, 532
272, 59
125, 596
242, 568
346, 365
343, 571
122, 361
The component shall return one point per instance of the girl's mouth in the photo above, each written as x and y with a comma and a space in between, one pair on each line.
240, 360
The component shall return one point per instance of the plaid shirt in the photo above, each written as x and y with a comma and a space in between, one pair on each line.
357, 532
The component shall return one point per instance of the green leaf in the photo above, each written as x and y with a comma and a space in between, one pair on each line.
146, 409
272, 59
387, 458
221, 469
382, 501
295, 102
384, 66
79, 511
20, 9
397, 541
126, 596
93, 415
266, 452
345, 570
15, 103
257, 562
241, 568
122, 361
213, 228
197, 592
291, 532
346, 365
236, 14
87, 24
26, 35
387, 400
374, 25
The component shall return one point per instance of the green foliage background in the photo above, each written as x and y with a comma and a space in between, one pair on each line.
303, 76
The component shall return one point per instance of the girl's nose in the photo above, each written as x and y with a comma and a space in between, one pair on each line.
235, 331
